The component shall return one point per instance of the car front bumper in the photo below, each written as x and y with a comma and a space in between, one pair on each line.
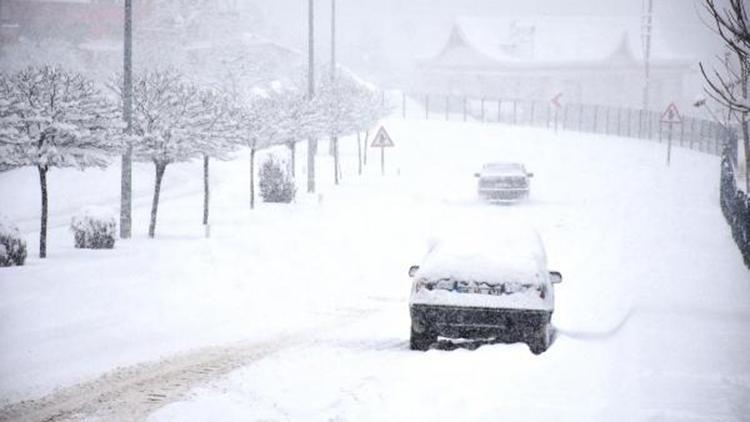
508, 325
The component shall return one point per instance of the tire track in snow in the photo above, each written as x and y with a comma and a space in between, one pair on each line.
639, 311
133, 393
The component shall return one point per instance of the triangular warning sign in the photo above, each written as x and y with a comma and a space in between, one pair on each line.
671, 115
556, 100
382, 139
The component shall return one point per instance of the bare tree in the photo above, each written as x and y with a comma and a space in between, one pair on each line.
300, 119
257, 130
348, 106
370, 110
729, 87
53, 118
217, 132
167, 116
338, 99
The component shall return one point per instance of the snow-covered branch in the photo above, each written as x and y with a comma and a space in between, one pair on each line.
53, 118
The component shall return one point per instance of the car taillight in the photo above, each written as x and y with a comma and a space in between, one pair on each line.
423, 284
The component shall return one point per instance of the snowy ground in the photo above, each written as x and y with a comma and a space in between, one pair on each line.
651, 317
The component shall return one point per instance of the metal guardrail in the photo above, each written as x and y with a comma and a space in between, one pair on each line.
694, 133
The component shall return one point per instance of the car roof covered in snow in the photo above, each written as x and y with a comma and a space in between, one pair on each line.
503, 168
494, 255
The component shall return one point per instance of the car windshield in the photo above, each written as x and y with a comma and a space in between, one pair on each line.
482, 287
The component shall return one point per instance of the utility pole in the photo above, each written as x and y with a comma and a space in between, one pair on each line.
333, 40
126, 171
312, 143
334, 137
648, 8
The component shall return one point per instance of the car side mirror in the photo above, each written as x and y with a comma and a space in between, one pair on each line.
477, 175
555, 277
529, 174
413, 270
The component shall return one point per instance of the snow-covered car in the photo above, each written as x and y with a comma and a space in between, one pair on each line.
496, 286
503, 181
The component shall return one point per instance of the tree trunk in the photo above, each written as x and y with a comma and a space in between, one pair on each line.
293, 157
364, 152
359, 153
312, 149
252, 177
43, 229
335, 144
205, 190
160, 167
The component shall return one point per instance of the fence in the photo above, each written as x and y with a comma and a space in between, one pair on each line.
735, 205
694, 133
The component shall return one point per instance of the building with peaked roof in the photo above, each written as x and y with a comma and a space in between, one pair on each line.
588, 60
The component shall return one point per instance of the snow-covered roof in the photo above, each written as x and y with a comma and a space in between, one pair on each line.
499, 254
244, 40
551, 40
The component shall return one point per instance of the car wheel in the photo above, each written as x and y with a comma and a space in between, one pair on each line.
540, 341
421, 341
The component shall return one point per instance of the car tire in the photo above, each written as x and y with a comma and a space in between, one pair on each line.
539, 343
421, 341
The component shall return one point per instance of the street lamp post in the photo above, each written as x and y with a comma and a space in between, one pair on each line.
312, 143
334, 136
126, 172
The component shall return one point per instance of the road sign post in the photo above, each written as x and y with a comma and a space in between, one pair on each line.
669, 144
382, 140
382, 161
555, 102
671, 116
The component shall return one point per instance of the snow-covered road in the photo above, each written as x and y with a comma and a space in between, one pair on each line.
651, 317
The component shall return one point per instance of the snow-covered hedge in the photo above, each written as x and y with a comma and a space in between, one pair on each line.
276, 185
12, 245
735, 204
94, 228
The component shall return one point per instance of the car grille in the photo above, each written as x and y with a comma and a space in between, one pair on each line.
511, 183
